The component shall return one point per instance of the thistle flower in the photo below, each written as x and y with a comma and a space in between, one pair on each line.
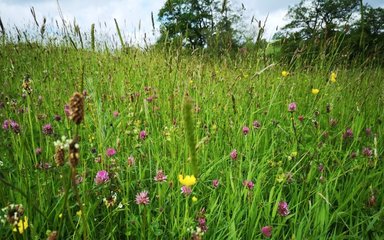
283, 209
142, 198
267, 231
292, 107
76, 104
160, 176
188, 180
233, 154
101, 177
47, 129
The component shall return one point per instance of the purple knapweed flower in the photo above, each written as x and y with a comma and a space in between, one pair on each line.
233, 154
367, 152
57, 118
267, 231
143, 135
115, 114
245, 130
38, 151
47, 129
249, 184
292, 107
101, 177
142, 198
283, 209
15, 126
256, 124
111, 152
160, 176
6, 124
348, 133
215, 183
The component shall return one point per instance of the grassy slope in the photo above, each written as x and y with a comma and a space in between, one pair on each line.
228, 97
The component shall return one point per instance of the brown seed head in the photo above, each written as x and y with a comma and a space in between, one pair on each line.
53, 235
59, 156
76, 104
74, 154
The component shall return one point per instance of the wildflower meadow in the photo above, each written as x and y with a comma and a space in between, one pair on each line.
161, 143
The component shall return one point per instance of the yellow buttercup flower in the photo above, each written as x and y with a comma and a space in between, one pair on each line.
21, 225
188, 180
78, 213
194, 199
284, 73
333, 77
315, 91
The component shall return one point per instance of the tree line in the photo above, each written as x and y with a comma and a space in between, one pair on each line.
349, 28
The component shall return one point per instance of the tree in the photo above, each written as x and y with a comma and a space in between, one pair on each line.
198, 23
190, 20
311, 18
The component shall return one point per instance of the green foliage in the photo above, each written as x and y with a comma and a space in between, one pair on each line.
199, 24
324, 27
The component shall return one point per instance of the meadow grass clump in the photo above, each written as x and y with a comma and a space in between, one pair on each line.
285, 152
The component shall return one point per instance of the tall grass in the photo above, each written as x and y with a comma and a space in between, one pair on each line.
331, 181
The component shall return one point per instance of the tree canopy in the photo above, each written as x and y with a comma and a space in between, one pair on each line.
198, 23
333, 25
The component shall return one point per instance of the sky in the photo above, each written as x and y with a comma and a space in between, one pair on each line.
133, 16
